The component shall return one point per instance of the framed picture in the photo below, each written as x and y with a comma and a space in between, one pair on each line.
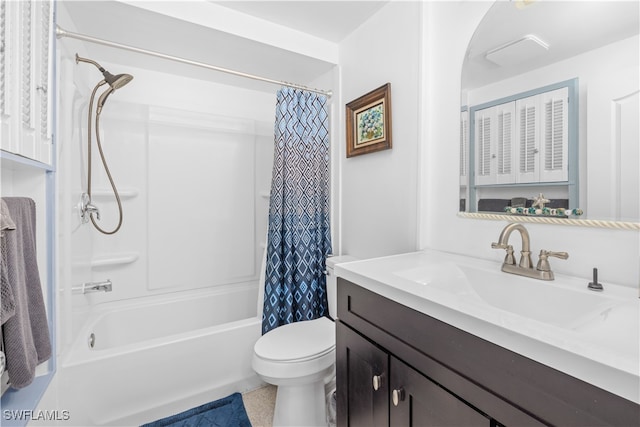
369, 122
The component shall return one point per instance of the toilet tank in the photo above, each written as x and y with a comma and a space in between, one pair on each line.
332, 281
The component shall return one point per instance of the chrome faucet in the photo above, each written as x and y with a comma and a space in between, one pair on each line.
525, 266
87, 208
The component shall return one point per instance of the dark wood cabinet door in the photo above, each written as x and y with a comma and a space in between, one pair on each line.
362, 381
510, 388
418, 402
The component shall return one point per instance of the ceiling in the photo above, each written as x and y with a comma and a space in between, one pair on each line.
125, 23
331, 20
568, 27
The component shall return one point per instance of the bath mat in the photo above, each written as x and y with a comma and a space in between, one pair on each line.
226, 412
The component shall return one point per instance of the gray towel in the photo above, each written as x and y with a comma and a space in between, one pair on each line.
7, 303
26, 333
6, 223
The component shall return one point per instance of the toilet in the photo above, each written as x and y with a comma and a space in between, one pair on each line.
300, 358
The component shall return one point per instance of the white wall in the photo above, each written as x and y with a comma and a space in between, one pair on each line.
448, 29
379, 190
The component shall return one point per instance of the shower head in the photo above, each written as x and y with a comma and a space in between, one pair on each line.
116, 81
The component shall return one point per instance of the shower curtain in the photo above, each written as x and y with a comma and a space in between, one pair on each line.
299, 236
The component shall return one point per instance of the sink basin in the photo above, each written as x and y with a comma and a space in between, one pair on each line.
566, 303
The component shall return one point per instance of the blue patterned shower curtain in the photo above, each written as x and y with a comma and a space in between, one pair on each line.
299, 236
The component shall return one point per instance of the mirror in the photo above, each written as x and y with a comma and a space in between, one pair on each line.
549, 111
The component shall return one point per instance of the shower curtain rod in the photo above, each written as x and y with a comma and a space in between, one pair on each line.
64, 33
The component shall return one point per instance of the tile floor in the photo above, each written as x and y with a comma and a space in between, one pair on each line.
259, 404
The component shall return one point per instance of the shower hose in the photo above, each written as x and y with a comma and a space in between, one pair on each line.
104, 163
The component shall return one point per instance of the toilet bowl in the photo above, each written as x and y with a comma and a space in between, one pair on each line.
299, 358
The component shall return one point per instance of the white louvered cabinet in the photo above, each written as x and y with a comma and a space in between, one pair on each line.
555, 136
494, 140
528, 125
523, 141
464, 147
542, 137
25, 76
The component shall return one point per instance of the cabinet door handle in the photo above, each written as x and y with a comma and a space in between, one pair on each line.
397, 396
377, 382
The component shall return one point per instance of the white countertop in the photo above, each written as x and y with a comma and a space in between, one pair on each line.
603, 351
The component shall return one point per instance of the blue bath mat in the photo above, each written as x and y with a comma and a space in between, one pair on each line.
226, 412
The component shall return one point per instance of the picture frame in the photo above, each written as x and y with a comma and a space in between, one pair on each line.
368, 122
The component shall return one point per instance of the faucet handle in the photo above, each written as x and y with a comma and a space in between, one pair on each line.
509, 258
91, 209
561, 255
543, 261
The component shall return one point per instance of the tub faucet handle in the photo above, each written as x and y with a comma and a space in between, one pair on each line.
92, 209
87, 208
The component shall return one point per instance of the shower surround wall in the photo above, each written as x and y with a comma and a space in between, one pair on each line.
192, 162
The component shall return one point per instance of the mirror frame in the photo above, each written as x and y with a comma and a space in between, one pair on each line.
594, 223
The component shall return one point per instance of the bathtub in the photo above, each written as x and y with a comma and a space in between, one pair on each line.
137, 361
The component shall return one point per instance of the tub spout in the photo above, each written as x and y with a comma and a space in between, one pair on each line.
87, 287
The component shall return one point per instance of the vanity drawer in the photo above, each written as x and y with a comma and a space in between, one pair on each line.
510, 388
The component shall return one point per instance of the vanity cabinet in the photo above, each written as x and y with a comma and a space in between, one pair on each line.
397, 366
384, 391
418, 401
364, 368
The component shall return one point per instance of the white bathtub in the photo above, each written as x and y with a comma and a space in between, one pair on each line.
160, 355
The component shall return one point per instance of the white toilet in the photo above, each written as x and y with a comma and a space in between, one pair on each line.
300, 358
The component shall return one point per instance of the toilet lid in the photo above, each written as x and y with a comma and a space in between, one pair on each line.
298, 341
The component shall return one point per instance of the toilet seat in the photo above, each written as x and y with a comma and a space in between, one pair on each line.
298, 341
297, 352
